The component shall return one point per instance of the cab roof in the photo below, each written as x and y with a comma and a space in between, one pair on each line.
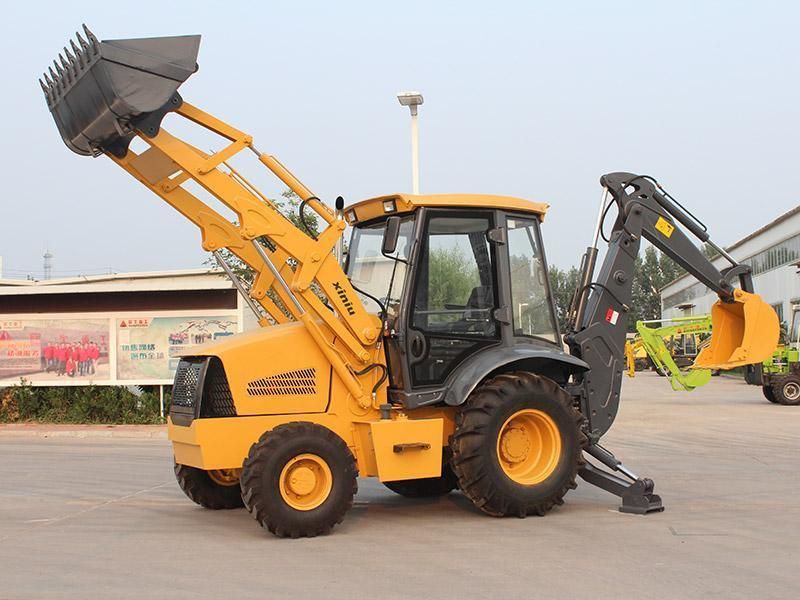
366, 210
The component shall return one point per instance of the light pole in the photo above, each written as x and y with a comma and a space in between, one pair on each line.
412, 100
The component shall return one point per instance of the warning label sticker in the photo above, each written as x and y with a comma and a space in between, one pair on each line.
665, 227
612, 316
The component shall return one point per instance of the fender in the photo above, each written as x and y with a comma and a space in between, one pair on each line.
547, 360
540, 358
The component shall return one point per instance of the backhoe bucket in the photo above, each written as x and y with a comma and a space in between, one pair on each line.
743, 332
102, 90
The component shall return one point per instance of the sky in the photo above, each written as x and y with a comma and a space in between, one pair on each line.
528, 99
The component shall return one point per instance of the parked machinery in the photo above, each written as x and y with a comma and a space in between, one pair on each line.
672, 346
779, 375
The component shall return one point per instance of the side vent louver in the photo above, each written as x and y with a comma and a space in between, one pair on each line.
301, 382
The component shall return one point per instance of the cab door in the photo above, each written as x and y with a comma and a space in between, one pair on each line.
453, 296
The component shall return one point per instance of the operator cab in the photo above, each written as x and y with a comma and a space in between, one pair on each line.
456, 277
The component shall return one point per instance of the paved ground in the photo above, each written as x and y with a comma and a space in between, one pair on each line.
103, 518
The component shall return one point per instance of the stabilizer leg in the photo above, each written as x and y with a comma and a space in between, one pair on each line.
638, 495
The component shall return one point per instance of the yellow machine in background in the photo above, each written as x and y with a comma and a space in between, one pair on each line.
431, 360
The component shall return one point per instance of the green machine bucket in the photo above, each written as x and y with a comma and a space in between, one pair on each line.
102, 90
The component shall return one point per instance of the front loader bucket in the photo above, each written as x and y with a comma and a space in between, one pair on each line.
101, 90
743, 332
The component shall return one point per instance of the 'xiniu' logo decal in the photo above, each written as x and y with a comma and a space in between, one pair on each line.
343, 297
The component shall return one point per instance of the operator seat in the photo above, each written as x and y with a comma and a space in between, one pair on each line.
477, 312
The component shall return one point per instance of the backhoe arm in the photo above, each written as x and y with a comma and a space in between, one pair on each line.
745, 329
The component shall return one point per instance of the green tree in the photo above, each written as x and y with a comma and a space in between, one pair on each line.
452, 277
563, 284
650, 274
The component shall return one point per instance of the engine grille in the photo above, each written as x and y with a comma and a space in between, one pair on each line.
200, 390
217, 398
300, 382
187, 379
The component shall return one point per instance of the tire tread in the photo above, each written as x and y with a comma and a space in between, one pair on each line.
473, 423
256, 467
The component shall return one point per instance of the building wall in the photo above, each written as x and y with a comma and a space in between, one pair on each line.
772, 253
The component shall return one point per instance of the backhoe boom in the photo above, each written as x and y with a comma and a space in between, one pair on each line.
745, 329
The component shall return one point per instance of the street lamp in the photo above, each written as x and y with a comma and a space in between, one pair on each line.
412, 100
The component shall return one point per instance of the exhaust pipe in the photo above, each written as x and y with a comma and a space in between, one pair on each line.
103, 91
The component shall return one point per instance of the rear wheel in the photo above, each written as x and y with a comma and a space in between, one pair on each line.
786, 390
769, 394
426, 488
299, 480
517, 445
216, 490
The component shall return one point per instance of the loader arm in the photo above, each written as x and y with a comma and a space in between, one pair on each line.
745, 329
106, 94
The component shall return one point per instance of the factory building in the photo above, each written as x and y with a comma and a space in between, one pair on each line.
773, 253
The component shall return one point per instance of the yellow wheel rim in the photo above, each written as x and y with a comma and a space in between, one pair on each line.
305, 482
529, 446
225, 477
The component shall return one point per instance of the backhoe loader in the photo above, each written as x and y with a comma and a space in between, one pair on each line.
431, 359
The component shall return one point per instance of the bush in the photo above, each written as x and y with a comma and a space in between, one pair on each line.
91, 404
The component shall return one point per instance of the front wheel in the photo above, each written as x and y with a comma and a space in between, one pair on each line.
518, 445
216, 490
787, 390
299, 480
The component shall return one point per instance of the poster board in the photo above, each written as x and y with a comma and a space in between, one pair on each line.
105, 348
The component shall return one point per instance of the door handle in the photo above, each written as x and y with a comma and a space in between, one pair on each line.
417, 346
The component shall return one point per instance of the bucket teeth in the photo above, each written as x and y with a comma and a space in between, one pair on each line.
82, 42
92, 40
73, 63
67, 74
47, 87
70, 65
78, 54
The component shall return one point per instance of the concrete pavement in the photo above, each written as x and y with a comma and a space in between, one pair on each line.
103, 518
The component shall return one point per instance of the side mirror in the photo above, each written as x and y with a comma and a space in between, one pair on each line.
391, 234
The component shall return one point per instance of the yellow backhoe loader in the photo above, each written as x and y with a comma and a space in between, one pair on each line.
431, 359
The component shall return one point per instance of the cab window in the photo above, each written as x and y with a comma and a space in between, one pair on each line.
532, 311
